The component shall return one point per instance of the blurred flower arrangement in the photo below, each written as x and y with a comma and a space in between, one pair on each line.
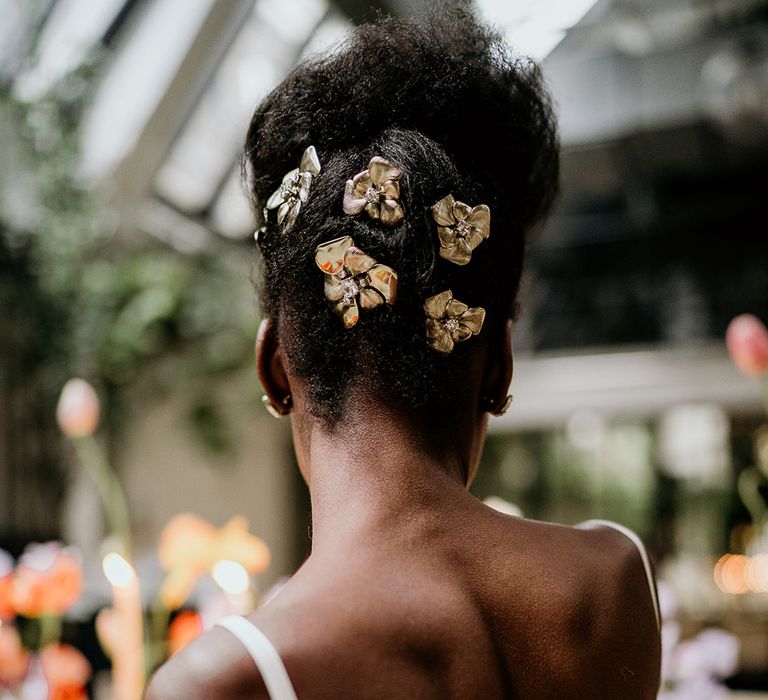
43, 585
747, 340
694, 669
48, 580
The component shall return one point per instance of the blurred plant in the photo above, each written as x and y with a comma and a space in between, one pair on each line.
693, 669
87, 295
66, 672
78, 413
185, 627
46, 582
747, 340
190, 547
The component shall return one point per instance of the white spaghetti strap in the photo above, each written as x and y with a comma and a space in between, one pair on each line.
264, 655
643, 555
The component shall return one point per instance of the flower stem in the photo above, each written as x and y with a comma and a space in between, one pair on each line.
49, 630
764, 387
111, 493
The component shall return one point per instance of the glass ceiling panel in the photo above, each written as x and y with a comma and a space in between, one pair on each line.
73, 27
263, 51
535, 27
231, 214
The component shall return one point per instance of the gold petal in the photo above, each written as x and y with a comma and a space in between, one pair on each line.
461, 334
438, 337
384, 280
442, 212
390, 189
352, 205
357, 262
463, 246
275, 199
283, 209
381, 170
310, 163
473, 319
373, 211
291, 178
455, 308
434, 307
370, 298
305, 180
455, 254
480, 219
446, 235
362, 183
349, 314
291, 214
391, 212
461, 211
474, 239
434, 328
333, 289
330, 256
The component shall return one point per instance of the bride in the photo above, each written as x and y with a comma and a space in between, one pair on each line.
397, 179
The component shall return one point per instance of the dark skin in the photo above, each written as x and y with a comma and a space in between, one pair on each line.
415, 589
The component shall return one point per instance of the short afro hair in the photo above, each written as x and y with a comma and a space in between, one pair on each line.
444, 100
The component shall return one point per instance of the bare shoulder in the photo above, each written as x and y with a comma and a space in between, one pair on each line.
624, 607
588, 589
213, 666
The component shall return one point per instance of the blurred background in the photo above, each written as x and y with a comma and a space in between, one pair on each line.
126, 255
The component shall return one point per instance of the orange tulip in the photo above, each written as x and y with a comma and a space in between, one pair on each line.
7, 607
747, 340
190, 546
67, 693
66, 670
48, 581
185, 627
182, 540
235, 543
78, 409
7, 604
14, 659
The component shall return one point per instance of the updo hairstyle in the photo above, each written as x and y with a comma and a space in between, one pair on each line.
444, 100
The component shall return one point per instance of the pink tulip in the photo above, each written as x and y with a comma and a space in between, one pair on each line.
78, 409
747, 340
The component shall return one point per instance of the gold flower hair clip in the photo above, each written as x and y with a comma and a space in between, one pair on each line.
354, 279
294, 190
450, 321
377, 191
461, 228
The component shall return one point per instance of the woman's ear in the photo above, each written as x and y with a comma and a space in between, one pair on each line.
270, 368
498, 373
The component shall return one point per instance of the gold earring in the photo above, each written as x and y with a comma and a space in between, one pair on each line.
273, 410
502, 409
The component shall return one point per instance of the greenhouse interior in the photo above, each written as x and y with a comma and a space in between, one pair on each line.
145, 492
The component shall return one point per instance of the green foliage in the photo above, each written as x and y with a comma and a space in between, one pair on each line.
81, 299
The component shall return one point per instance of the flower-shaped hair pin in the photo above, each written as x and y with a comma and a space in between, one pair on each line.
294, 189
450, 321
377, 191
461, 228
354, 279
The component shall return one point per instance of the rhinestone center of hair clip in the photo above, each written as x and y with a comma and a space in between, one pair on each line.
354, 280
376, 191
